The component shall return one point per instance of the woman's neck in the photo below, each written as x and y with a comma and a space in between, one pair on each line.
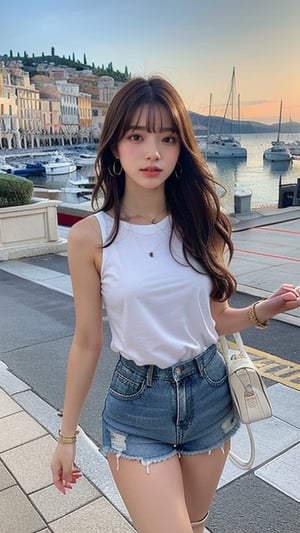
140, 211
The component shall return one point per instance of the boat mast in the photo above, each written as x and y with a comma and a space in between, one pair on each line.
209, 114
208, 122
239, 116
279, 124
230, 101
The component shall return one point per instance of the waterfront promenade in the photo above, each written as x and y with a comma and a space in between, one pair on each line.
36, 327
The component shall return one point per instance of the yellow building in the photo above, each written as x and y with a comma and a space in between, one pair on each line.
59, 105
50, 109
9, 123
85, 110
28, 102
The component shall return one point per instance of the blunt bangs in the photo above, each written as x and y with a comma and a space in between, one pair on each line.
155, 122
152, 99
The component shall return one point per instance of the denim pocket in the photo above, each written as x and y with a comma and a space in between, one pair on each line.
214, 370
126, 384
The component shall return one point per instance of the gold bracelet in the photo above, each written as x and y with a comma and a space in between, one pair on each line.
253, 317
67, 440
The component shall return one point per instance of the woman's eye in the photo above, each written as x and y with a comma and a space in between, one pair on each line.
135, 137
169, 140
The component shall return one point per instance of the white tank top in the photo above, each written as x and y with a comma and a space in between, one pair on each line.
158, 308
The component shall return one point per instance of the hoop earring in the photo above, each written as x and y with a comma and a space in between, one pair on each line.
114, 171
178, 171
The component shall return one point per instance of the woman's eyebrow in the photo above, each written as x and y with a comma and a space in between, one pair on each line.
144, 128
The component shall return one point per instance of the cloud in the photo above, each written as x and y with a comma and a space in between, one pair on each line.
258, 102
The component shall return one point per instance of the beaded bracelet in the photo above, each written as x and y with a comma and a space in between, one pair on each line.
253, 317
62, 439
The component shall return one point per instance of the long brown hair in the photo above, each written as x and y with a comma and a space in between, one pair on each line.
191, 200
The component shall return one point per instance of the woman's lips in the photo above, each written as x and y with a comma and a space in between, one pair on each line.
151, 171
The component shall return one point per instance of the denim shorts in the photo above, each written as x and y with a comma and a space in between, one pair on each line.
151, 414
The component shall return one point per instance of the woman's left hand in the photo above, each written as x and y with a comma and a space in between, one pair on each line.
286, 298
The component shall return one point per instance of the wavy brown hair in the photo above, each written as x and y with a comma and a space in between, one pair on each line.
192, 200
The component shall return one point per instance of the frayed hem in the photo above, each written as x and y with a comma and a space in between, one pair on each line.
145, 462
201, 452
217, 446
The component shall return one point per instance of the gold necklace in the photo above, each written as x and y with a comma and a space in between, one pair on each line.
151, 252
153, 220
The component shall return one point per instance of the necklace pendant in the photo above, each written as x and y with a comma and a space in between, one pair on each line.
151, 254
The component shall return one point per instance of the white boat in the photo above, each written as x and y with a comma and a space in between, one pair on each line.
86, 183
278, 151
85, 159
294, 148
5, 167
293, 141
225, 145
59, 164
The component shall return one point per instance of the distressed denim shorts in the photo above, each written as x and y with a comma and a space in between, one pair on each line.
151, 414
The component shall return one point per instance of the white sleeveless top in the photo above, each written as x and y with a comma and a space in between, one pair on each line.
158, 308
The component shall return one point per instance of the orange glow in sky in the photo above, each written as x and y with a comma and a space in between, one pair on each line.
194, 44
268, 112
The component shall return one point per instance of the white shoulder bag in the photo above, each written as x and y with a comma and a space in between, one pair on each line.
248, 391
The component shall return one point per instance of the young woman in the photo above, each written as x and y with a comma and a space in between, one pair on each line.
153, 257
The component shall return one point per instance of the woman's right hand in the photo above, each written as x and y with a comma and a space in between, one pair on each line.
64, 471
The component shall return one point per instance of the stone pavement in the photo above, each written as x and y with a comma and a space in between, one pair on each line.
29, 502
268, 496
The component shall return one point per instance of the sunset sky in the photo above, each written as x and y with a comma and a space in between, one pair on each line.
193, 43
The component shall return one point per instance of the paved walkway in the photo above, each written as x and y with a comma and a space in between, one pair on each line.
267, 254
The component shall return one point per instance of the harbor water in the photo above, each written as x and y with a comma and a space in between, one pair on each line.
261, 177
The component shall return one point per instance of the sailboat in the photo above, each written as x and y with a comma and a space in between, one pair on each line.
225, 145
292, 143
278, 151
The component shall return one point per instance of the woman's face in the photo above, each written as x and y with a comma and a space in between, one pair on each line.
148, 158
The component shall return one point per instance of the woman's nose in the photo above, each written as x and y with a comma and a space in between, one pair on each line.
152, 153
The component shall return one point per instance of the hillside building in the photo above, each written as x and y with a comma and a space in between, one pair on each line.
59, 105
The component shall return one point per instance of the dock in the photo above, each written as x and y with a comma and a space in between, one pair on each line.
289, 194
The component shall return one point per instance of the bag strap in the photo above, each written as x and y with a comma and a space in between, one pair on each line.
238, 341
236, 460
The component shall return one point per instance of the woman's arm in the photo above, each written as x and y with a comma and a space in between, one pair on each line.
231, 320
84, 255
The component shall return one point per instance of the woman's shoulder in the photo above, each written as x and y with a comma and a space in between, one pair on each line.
85, 245
86, 231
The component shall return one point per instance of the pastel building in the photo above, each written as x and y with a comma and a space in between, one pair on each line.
59, 105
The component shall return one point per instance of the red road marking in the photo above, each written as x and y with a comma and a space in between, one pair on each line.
297, 260
278, 230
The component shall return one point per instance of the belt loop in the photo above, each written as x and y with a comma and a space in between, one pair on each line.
199, 364
149, 375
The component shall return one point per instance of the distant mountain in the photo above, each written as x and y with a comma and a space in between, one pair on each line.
219, 124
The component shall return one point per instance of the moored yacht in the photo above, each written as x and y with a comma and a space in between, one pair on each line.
60, 164
85, 159
294, 148
224, 146
31, 168
5, 167
277, 152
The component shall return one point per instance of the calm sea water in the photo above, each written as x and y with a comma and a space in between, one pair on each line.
254, 173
